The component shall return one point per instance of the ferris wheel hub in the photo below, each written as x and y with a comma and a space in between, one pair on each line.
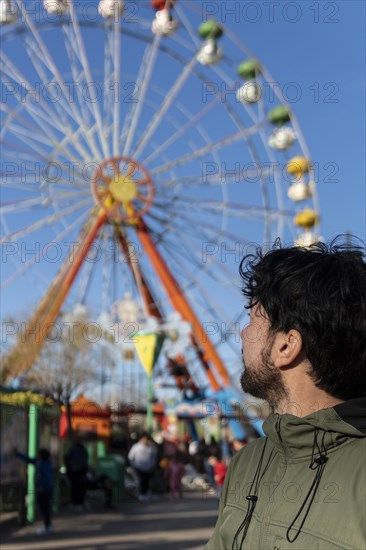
123, 188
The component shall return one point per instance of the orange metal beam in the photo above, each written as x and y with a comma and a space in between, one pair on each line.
75, 265
29, 344
181, 304
139, 278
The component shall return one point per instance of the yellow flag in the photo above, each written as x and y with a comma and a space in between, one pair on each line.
145, 347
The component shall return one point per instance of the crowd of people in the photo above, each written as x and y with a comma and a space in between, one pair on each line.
160, 464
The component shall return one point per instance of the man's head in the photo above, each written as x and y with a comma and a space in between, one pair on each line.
43, 454
145, 438
308, 306
239, 444
212, 460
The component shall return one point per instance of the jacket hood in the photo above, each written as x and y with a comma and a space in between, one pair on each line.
294, 436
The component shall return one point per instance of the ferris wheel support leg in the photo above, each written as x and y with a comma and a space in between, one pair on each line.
185, 379
181, 304
75, 266
150, 304
26, 351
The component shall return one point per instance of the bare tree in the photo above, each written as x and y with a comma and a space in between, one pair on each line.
64, 367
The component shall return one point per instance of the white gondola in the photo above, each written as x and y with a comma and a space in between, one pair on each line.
306, 239
210, 53
282, 138
111, 8
8, 12
251, 92
299, 191
55, 7
164, 24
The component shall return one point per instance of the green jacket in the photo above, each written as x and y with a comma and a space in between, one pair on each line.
308, 476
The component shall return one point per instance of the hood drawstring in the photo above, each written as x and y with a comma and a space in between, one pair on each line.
252, 499
317, 463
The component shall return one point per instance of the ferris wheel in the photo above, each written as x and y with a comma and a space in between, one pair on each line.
144, 151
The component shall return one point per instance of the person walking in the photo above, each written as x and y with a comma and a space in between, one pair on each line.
302, 486
76, 461
175, 472
143, 459
43, 485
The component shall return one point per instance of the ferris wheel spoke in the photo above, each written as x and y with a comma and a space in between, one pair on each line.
59, 106
142, 84
72, 140
106, 271
43, 53
102, 193
38, 111
35, 56
27, 204
17, 181
212, 232
27, 230
234, 177
182, 233
29, 139
197, 261
277, 185
245, 214
15, 206
36, 258
33, 132
217, 312
14, 114
228, 140
48, 62
192, 32
185, 252
116, 82
17, 184
43, 119
181, 131
29, 131
108, 74
87, 127
232, 207
169, 98
85, 281
142, 198
88, 77
191, 228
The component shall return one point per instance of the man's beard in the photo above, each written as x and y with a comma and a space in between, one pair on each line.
264, 381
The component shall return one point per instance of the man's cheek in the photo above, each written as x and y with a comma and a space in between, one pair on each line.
251, 333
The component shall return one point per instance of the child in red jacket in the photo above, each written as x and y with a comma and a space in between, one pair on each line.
220, 470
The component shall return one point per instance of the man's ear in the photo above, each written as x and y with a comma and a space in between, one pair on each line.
287, 346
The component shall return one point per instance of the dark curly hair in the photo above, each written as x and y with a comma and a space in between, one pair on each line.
321, 292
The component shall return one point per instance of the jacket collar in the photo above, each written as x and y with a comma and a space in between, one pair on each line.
295, 436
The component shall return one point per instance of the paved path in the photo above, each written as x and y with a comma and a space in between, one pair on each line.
160, 525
